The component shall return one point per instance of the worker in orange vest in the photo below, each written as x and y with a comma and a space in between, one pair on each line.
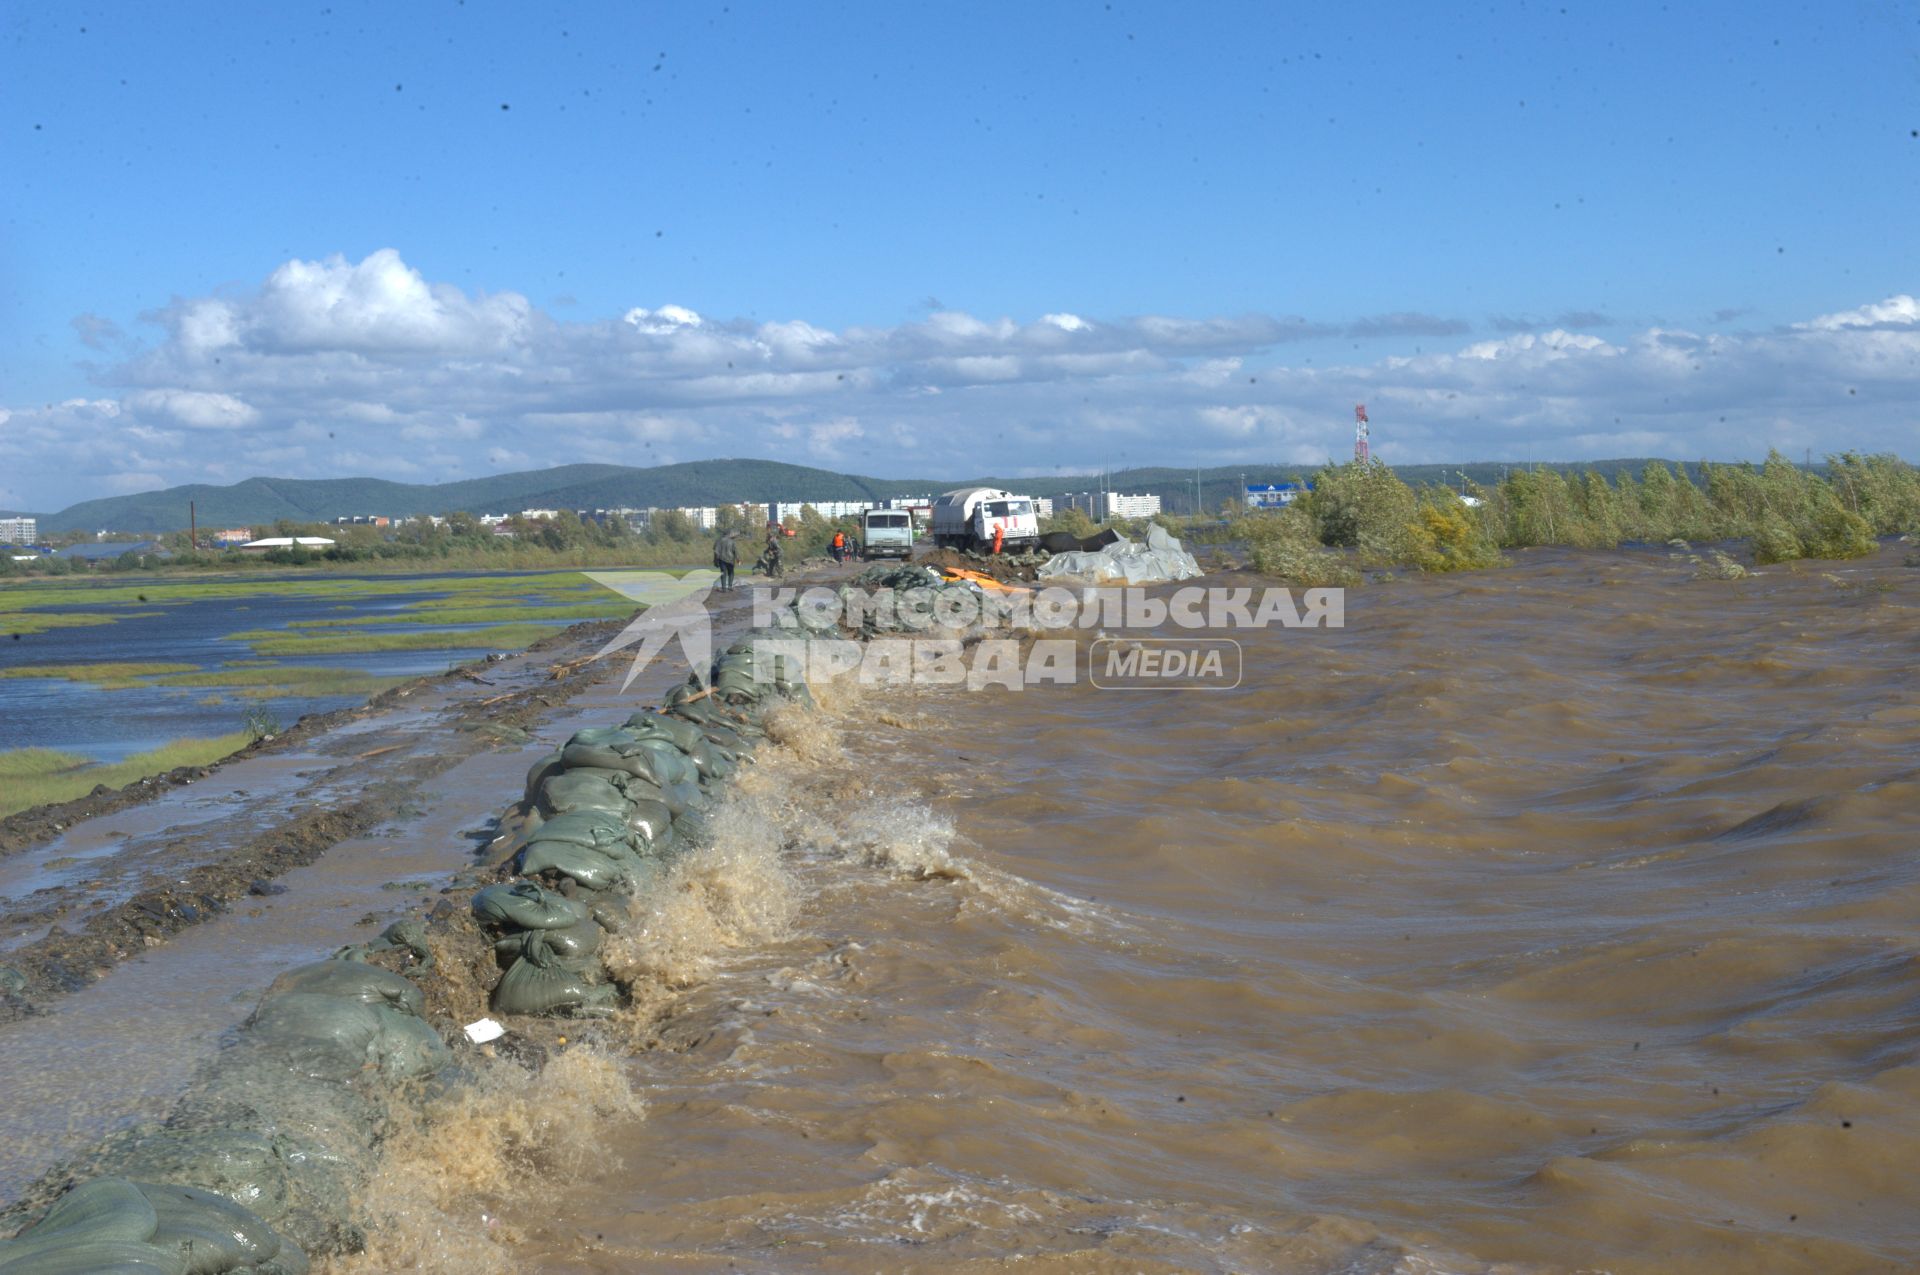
999, 536
839, 546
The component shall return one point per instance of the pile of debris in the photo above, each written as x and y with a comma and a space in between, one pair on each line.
1125, 561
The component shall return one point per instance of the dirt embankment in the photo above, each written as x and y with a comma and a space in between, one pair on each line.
195, 875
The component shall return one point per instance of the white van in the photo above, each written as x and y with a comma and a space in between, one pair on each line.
886, 533
971, 517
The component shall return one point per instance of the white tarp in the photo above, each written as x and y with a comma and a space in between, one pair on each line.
1126, 561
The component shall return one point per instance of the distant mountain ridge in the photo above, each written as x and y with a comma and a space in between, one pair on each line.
257, 501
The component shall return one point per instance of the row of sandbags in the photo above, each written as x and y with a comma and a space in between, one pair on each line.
262, 1162
604, 815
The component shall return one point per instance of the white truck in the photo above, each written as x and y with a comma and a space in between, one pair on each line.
974, 517
886, 533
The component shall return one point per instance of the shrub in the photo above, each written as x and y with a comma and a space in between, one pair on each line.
1446, 537
1285, 544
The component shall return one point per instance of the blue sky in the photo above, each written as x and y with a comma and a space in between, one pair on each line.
1542, 229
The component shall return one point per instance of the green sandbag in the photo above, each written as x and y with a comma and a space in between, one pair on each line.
352, 980
92, 1257
531, 988
737, 685
671, 765
683, 735
103, 1209
573, 948
599, 828
329, 1037
210, 1232
539, 773
658, 761
592, 867
102, 1225
652, 825
523, 905
409, 933
690, 828
242, 1166
578, 790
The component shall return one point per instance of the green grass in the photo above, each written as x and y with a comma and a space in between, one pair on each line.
112, 676
26, 624
252, 679
465, 612
274, 681
276, 642
37, 776
18, 596
29, 763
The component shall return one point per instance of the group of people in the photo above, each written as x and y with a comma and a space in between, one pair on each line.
726, 554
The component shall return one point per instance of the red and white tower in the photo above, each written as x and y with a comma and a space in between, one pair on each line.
1361, 453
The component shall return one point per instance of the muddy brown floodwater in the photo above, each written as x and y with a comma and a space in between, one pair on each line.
1560, 918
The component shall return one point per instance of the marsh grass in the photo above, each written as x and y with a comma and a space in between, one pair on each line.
36, 776
115, 676
275, 681
276, 642
22, 595
466, 613
29, 623
252, 680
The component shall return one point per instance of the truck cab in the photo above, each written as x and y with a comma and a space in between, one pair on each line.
973, 517
886, 533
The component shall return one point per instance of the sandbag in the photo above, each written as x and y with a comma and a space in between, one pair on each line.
690, 828
531, 988
352, 980
600, 828
539, 773
659, 761
683, 735
334, 1038
103, 1209
522, 905
574, 790
591, 866
573, 948
211, 1233
652, 823
248, 1168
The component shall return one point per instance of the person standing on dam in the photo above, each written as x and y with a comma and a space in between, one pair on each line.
726, 556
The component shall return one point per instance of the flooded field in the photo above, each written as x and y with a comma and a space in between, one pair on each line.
164, 659
1552, 919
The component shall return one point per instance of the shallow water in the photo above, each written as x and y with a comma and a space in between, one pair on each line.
109, 725
1561, 918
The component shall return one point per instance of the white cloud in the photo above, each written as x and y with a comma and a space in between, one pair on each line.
335, 367
195, 409
665, 321
1902, 311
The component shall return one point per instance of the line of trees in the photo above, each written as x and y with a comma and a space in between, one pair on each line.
1780, 509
